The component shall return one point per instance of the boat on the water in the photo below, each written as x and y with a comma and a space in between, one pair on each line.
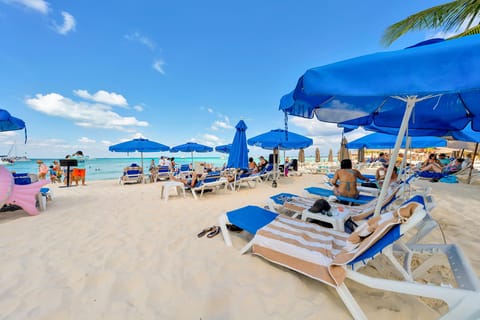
6, 161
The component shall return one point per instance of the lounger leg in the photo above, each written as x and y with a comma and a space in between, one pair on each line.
350, 302
388, 252
463, 304
247, 247
222, 221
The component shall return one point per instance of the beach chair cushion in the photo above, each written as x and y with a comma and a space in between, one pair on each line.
362, 199
318, 252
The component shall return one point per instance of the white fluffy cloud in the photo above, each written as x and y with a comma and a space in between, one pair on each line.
37, 5
221, 125
315, 127
158, 65
138, 37
211, 140
103, 96
43, 7
138, 107
86, 140
83, 114
68, 24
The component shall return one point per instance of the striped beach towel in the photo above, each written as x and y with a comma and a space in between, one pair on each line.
322, 253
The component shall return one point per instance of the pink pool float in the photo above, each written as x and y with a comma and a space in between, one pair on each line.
24, 196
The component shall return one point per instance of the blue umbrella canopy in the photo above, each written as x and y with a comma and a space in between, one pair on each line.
387, 141
432, 87
238, 157
466, 134
191, 147
224, 148
10, 123
280, 139
139, 145
435, 78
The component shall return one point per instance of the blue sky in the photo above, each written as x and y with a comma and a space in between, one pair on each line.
86, 74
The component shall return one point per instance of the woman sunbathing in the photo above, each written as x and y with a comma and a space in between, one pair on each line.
347, 180
452, 167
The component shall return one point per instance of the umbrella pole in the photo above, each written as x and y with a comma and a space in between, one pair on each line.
141, 155
471, 166
410, 101
275, 167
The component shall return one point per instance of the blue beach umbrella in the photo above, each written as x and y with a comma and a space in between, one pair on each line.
224, 148
387, 141
10, 123
432, 87
139, 145
191, 147
238, 157
281, 140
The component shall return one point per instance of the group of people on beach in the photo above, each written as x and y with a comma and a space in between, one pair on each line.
56, 172
444, 165
345, 179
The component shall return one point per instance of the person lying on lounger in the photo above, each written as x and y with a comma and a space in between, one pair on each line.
346, 177
452, 167
381, 173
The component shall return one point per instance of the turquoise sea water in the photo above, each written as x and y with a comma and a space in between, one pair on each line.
112, 168
109, 168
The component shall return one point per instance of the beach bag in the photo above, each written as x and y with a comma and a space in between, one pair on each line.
350, 225
320, 206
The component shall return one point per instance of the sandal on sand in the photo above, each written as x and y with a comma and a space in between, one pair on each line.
205, 231
214, 232
234, 228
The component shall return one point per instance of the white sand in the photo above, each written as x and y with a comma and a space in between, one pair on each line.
106, 251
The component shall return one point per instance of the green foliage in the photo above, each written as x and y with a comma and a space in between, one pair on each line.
446, 17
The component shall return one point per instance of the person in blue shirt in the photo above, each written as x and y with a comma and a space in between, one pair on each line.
442, 157
382, 159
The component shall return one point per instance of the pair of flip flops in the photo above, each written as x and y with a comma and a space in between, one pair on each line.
210, 232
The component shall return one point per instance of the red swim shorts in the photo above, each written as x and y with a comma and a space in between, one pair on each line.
78, 173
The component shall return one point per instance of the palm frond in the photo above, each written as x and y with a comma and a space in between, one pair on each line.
447, 17
468, 32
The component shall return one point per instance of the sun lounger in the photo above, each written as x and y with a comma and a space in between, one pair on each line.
210, 181
163, 173
299, 204
330, 256
326, 193
268, 172
132, 175
249, 179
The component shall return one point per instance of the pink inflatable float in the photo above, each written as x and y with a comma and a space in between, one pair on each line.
23, 196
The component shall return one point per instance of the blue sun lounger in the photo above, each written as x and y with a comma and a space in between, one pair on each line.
325, 193
461, 300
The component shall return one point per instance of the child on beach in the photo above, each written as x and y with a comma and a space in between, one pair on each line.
42, 170
53, 174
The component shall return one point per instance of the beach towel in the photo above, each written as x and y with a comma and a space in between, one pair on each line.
449, 179
323, 253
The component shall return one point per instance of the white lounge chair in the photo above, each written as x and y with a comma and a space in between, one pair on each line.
163, 173
210, 181
301, 246
132, 175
